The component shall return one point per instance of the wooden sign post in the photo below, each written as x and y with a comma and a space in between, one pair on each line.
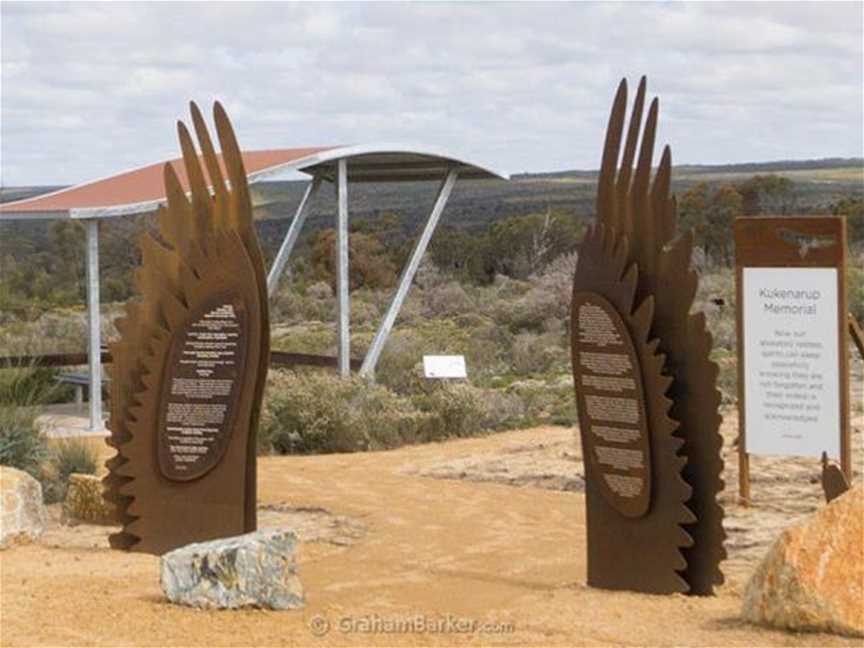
793, 375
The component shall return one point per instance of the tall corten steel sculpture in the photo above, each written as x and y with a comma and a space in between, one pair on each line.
190, 364
646, 390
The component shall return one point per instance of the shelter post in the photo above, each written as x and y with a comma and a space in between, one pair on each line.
94, 348
371, 360
291, 237
343, 304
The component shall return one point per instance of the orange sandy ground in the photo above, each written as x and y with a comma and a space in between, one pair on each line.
486, 552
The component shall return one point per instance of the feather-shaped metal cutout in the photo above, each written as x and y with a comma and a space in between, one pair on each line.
190, 364
637, 215
618, 540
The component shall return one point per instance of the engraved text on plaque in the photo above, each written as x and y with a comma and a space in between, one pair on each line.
201, 389
612, 404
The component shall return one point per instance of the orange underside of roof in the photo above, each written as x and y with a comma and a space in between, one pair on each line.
144, 184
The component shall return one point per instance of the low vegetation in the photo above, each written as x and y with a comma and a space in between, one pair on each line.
494, 287
319, 412
24, 390
65, 457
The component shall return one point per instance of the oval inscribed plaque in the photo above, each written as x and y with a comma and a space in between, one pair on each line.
611, 403
201, 388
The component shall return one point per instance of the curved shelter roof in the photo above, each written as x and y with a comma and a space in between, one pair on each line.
142, 190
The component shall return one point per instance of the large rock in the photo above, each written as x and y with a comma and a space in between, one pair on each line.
253, 570
85, 502
22, 513
813, 576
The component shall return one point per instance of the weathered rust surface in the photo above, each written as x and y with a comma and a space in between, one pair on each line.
633, 257
857, 334
834, 482
190, 364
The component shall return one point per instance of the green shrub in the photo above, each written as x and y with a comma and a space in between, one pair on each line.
855, 290
67, 456
295, 304
534, 353
716, 298
320, 412
29, 385
403, 351
546, 401
727, 378
455, 410
22, 444
448, 300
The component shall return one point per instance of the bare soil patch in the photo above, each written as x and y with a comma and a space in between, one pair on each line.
386, 541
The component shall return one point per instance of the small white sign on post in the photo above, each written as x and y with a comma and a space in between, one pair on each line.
444, 366
791, 364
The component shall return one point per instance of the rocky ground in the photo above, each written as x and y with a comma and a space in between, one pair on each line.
479, 541
782, 489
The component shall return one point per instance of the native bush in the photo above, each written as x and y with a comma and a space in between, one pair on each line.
716, 298
364, 310
404, 350
447, 300
299, 303
855, 288
455, 409
546, 401
30, 385
317, 411
66, 456
22, 444
533, 353
22, 389
727, 377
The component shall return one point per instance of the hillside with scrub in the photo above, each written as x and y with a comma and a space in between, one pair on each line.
494, 287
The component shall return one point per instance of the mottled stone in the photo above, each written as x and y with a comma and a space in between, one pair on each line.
252, 570
22, 513
85, 502
813, 576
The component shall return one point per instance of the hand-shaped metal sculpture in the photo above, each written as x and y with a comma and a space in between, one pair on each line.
646, 389
190, 364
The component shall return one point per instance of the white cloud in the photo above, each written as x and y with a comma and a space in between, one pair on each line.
92, 88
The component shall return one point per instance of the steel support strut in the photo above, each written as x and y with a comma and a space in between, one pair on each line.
285, 250
407, 277
94, 348
343, 303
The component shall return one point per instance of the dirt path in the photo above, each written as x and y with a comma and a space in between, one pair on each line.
383, 545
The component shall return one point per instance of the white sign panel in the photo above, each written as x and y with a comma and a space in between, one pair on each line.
791, 364
441, 366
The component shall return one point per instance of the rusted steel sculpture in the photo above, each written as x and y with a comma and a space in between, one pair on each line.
834, 482
190, 364
646, 390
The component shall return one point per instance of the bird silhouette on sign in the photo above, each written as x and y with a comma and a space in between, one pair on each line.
805, 242
834, 482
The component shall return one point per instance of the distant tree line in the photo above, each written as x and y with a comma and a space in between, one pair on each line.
47, 270
711, 210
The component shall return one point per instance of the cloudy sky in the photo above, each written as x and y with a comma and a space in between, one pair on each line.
91, 89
